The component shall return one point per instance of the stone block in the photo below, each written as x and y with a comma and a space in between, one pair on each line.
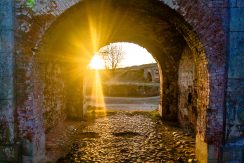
7, 134
218, 3
6, 12
240, 113
39, 149
27, 159
6, 87
233, 3
233, 154
6, 104
6, 110
7, 126
20, 94
27, 148
212, 161
240, 3
234, 112
9, 153
212, 153
236, 40
6, 41
236, 55
236, 69
236, 19
6, 64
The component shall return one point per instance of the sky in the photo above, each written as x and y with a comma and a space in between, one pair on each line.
134, 55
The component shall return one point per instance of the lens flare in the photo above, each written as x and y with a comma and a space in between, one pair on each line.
97, 96
96, 63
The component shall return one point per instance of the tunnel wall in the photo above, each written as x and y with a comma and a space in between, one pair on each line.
54, 94
41, 94
74, 98
187, 104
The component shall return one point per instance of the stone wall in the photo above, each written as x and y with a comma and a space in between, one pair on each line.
187, 114
40, 84
234, 134
151, 74
54, 97
8, 147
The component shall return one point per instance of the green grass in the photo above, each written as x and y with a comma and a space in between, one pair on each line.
154, 115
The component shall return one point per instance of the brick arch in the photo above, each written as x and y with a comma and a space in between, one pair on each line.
195, 33
212, 36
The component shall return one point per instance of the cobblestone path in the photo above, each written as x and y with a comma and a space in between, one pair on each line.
131, 137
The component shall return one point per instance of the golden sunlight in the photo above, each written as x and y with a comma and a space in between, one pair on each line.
96, 63
97, 92
97, 97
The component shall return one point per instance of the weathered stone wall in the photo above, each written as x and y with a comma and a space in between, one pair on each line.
234, 135
54, 97
187, 114
74, 92
210, 21
40, 85
8, 148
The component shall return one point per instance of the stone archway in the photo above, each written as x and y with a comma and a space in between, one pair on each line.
81, 30
149, 76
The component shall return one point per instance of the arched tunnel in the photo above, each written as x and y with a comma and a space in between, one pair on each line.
86, 27
185, 61
83, 29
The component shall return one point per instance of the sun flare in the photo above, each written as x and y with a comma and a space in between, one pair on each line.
96, 63
97, 92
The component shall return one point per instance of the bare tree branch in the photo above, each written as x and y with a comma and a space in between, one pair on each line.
112, 55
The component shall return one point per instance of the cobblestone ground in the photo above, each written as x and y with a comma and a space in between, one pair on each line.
131, 137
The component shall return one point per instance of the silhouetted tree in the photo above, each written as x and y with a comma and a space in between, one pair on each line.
112, 55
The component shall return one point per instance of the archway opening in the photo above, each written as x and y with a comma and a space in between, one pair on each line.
149, 76
121, 69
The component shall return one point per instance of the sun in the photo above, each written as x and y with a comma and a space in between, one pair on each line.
96, 62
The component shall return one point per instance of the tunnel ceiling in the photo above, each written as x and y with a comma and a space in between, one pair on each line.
89, 25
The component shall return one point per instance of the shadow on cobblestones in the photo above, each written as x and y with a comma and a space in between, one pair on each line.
126, 134
89, 135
